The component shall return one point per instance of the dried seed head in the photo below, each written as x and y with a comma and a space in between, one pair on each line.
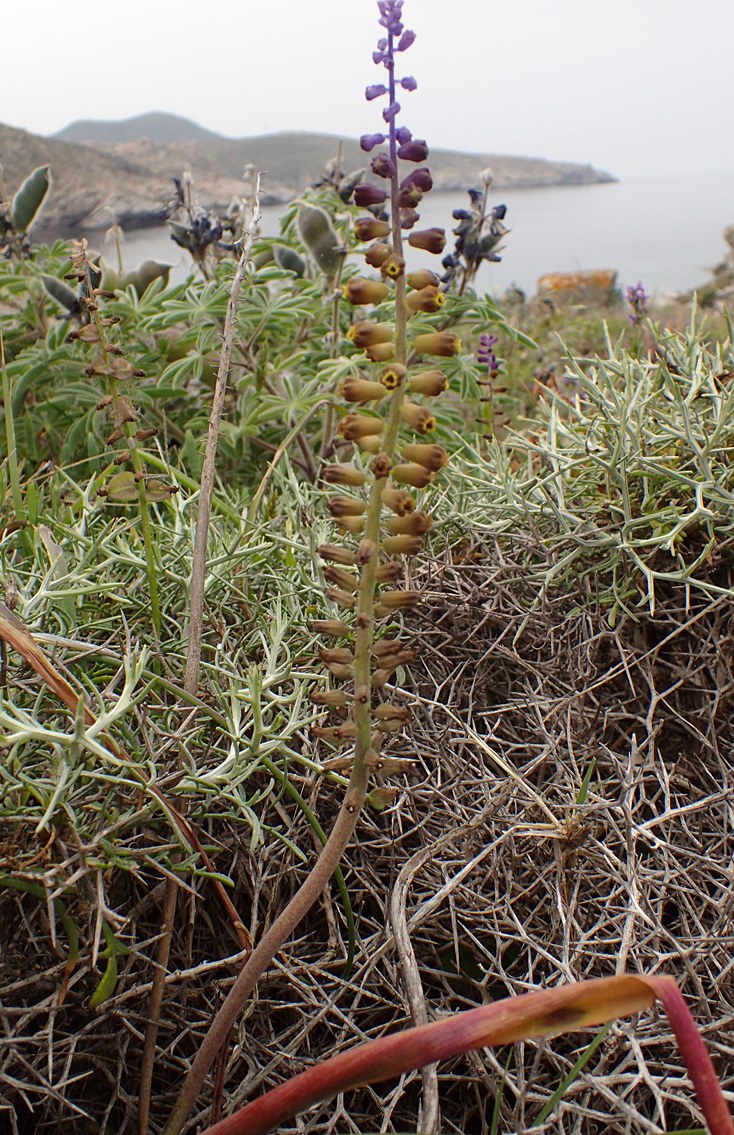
341, 578
335, 628
344, 475
355, 426
402, 545
434, 457
337, 554
347, 731
400, 501
417, 416
341, 672
414, 524
429, 382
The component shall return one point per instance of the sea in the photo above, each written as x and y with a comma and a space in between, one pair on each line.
662, 232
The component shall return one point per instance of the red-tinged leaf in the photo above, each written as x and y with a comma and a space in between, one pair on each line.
557, 1010
693, 1050
20, 638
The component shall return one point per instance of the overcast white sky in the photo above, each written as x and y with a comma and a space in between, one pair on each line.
638, 87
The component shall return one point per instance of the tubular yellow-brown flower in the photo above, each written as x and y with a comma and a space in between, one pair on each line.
344, 475
355, 426
361, 390
441, 343
414, 524
402, 545
363, 333
428, 299
412, 474
345, 506
429, 382
359, 290
337, 554
434, 457
392, 376
400, 501
421, 419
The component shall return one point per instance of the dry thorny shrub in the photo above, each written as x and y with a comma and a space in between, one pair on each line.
500, 882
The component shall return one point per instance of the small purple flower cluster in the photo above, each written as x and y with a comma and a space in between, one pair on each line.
486, 355
638, 300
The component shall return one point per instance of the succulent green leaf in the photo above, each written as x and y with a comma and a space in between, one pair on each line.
29, 198
65, 296
317, 233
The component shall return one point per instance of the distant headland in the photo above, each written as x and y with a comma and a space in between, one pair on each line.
122, 170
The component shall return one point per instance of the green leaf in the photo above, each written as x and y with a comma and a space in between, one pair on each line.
29, 198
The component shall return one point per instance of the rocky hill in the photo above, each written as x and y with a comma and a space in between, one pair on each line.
97, 177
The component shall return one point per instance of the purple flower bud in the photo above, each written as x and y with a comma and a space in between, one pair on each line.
410, 196
421, 178
382, 166
414, 151
382, 45
406, 40
369, 141
378, 57
375, 91
408, 218
390, 112
367, 194
403, 135
408, 83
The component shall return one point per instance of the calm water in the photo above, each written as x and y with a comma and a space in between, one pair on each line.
666, 233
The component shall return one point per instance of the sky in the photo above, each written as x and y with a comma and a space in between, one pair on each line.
636, 87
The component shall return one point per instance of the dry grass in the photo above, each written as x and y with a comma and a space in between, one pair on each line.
485, 864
